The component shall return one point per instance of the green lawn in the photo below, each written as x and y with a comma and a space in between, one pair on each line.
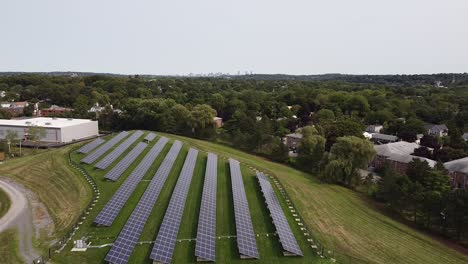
4, 203
268, 245
9, 248
346, 222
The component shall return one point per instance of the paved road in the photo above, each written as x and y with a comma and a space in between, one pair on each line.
19, 217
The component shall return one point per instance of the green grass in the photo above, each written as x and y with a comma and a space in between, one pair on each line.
9, 248
60, 188
4, 203
345, 221
268, 245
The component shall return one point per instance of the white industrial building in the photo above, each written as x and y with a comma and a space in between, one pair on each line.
57, 130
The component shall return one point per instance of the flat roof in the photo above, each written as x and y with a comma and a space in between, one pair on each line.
44, 122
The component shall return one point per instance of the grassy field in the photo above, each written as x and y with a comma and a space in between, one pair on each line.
268, 245
9, 248
345, 221
59, 187
4, 203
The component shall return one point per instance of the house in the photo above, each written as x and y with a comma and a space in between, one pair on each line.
436, 130
54, 110
57, 130
292, 140
96, 108
218, 121
374, 128
465, 136
398, 155
378, 138
14, 108
458, 171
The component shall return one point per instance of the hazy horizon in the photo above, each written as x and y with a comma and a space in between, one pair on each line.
265, 37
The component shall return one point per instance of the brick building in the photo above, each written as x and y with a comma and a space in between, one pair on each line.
458, 170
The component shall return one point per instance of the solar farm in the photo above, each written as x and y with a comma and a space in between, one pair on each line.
163, 201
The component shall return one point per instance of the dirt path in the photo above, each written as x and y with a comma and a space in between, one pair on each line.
19, 218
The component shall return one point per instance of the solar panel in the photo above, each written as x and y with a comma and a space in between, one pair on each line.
124, 163
107, 215
206, 232
128, 237
286, 236
104, 148
245, 233
91, 145
111, 157
150, 137
165, 242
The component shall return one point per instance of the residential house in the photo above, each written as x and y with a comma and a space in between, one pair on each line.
14, 108
292, 140
374, 128
54, 110
436, 130
218, 121
398, 155
378, 138
458, 170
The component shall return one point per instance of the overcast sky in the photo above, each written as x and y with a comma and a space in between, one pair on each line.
267, 36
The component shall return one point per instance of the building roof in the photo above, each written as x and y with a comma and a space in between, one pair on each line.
465, 136
56, 107
44, 122
401, 152
294, 135
371, 128
440, 128
459, 165
384, 137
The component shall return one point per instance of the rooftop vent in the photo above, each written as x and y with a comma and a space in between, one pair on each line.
28, 122
48, 123
54, 118
70, 119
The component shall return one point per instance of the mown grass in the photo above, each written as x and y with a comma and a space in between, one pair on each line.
9, 248
268, 245
60, 188
4, 203
346, 222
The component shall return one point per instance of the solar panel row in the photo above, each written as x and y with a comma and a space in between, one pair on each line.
107, 216
245, 233
286, 236
104, 148
128, 237
111, 157
150, 137
206, 232
91, 145
165, 242
124, 163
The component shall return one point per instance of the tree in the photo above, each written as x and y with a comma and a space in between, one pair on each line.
201, 119
340, 128
36, 133
348, 155
12, 138
430, 142
423, 152
279, 151
81, 106
310, 151
324, 115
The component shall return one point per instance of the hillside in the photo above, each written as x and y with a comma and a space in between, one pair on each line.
345, 222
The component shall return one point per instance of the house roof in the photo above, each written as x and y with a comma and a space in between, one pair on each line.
294, 135
401, 151
459, 165
440, 128
384, 137
465, 136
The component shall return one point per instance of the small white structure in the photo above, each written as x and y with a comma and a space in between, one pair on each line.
57, 130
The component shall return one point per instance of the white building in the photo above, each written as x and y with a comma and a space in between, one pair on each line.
57, 130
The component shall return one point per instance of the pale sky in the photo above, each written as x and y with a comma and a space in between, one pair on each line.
263, 36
